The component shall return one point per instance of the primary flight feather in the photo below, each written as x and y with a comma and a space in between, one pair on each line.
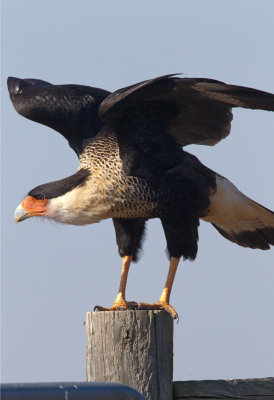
133, 166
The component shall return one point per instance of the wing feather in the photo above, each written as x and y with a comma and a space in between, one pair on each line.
72, 110
192, 110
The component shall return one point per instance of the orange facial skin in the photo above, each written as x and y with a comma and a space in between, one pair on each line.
34, 207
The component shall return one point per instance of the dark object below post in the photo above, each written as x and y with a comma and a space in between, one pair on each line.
132, 347
68, 390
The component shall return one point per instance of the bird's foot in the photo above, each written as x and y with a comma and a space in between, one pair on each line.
119, 306
159, 306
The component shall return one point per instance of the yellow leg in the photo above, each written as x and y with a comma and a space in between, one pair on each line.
163, 302
120, 301
169, 280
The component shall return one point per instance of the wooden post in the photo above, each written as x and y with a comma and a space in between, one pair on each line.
131, 347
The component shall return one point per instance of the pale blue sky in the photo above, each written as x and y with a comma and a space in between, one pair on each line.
53, 274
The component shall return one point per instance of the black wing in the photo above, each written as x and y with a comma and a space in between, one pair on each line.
72, 110
192, 110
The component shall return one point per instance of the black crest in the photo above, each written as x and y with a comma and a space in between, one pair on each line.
58, 188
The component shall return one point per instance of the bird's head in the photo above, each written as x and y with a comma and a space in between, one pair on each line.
69, 201
31, 207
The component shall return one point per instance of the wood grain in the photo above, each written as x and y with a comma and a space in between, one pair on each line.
132, 347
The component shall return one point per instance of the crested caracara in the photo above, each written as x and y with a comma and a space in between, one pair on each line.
133, 164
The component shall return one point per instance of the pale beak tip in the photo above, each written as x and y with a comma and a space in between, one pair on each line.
20, 214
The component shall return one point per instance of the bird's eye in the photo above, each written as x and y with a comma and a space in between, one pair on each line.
40, 197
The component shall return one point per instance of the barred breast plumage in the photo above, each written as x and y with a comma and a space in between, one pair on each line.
123, 196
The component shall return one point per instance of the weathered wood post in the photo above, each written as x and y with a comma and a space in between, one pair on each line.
131, 347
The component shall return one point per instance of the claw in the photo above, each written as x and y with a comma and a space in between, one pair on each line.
119, 306
133, 307
97, 308
159, 306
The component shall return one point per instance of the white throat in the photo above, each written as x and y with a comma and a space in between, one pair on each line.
81, 206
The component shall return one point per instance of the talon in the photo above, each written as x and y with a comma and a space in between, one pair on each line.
118, 306
171, 311
133, 307
159, 306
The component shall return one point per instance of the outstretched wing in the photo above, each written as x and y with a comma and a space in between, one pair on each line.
192, 110
72, 110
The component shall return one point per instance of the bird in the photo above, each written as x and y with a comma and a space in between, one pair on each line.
133, 165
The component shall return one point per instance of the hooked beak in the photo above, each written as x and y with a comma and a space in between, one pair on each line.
20, 214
